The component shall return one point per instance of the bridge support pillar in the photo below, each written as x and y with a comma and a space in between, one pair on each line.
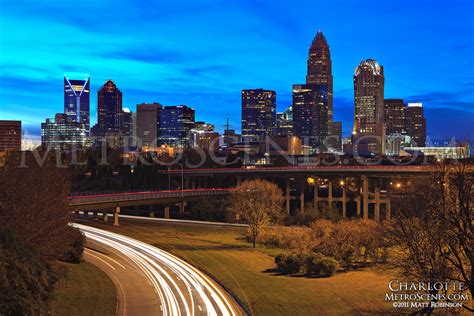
105, 213
182, 206
287, 195
167, 212
365, 197
238, 179
302, 197
377, 204
316, 194
330, 194
344, 203
357, 200
116, 216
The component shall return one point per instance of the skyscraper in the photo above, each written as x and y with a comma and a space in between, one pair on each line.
109, 109
320, 68
310, 114
148, 123
394, 117
176, 123
395, 126
369, 107
77, 98
10, 135
258, 113
416, 124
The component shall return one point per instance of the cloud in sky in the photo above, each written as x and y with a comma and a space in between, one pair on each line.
202, 53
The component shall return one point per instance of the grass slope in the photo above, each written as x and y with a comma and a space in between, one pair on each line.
89, 291
221, 253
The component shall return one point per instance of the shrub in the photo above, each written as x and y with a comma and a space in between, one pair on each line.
315, 264
327, 266
289, 264
294, 238
319, 265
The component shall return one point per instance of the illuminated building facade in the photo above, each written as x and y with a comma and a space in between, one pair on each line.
416, 124
394, 117
176, 123
77, 98
109, 109
10, 135
369, 107
320, 68
310, 114
63, 133
258, 114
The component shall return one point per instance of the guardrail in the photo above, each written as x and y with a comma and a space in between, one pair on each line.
304, 168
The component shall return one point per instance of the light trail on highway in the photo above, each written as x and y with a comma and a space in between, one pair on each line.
180, 288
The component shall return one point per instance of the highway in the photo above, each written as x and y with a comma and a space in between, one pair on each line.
151, 281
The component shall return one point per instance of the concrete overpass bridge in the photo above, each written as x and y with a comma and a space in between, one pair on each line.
354, 191
367, 189
106, 201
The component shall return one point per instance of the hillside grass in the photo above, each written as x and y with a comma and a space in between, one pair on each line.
87, 290
247, 273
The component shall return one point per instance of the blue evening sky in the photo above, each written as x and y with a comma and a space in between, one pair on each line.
202, 53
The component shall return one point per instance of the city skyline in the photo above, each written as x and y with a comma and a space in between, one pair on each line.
177, 69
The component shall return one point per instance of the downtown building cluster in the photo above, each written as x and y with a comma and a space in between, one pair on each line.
381, 126
151, 126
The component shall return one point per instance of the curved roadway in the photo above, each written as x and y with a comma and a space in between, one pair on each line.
153, 282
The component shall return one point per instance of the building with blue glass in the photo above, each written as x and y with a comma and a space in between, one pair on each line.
175, 127
77, 98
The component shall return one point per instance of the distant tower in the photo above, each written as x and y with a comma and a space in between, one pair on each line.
77, 98
320, 68
369, 106
109, 109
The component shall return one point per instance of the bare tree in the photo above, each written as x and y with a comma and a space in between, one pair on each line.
34, 205
432, 228
257, 203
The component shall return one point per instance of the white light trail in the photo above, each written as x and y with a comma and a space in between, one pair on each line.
181, 288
